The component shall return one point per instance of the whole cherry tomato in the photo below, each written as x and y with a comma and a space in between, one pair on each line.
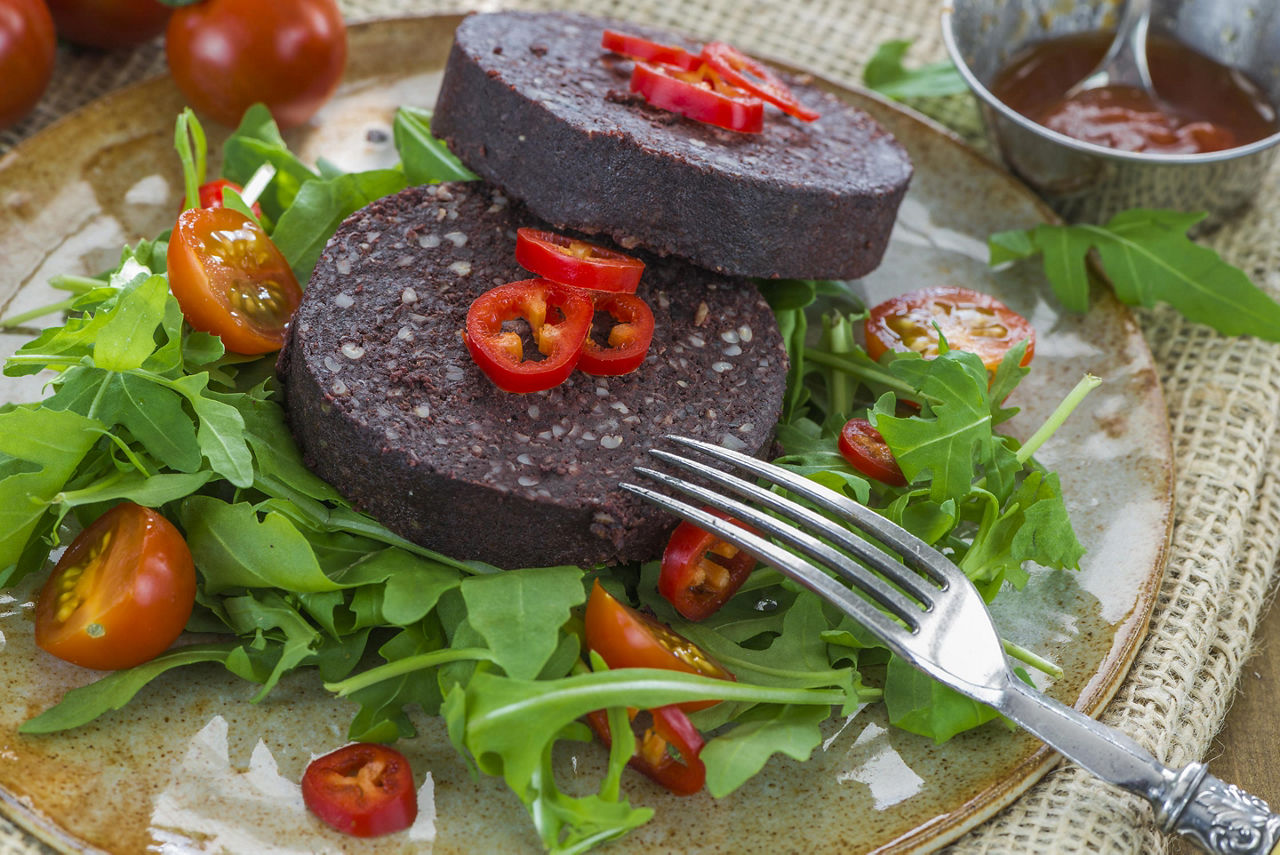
231, 280
969, 320
626, 638
27, 47
361, 789
109, 23
226, 55
120, 594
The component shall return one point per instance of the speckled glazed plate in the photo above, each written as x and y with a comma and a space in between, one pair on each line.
192, 766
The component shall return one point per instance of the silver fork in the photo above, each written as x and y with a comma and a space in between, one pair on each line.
920, 605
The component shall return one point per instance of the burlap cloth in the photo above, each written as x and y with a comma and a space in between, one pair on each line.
1223, 397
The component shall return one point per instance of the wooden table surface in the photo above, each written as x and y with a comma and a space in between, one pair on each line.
1243, 753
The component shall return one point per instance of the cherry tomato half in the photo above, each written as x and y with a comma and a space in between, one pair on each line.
754, 78
700, 572
120, 594
109, 23
636, 47
226, 55
628, 639
700, 95
230, 280
681, 772
27, 47
559, 319
570, 261
361, 789
865, 449
969, 320
628, 340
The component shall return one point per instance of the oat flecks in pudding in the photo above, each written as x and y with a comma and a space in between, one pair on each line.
413, 432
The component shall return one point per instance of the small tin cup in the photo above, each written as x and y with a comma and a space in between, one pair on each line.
1085, 182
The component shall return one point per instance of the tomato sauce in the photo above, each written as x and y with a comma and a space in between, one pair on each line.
1201, 106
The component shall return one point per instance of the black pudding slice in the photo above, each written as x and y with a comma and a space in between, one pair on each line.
388, 406
532, 103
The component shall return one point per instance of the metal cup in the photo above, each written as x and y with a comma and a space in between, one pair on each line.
1085, 182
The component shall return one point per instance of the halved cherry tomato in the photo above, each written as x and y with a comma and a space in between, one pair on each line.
230, 279
559, 319
700, 572
700, 95
628, 340
628, 639
120, 594
636, 47
969, 320
211, 194
671, 729
754, 78
361, 789
570, 261
865, 449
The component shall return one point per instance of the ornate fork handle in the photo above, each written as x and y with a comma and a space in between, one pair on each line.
1219, 817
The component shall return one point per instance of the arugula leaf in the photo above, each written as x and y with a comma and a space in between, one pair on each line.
946, 446
234, 549
320, 207
1149, 259
257, 141
734, 757
919, 704
886, 74
519, 614
85, 703
50, 445
424, 158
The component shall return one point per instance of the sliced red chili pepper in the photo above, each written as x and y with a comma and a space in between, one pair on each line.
671, 729
754, 78
211, 195
865, 449
361, 789
628, 341
636, 47
699, 94
700, 572
570, 261
559, 320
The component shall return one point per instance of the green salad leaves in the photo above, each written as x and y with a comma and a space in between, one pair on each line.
291, 577
1148, 258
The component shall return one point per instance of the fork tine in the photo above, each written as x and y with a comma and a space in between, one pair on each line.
914, 551
811, 520
775, 556
899, 605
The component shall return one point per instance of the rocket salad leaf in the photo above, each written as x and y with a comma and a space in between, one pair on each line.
1149, 259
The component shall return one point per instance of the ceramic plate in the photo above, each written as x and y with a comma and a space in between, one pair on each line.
191, 765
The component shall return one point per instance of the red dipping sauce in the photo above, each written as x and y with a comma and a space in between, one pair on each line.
1201, 104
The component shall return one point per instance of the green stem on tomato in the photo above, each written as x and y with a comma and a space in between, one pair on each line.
408, 665
1086, 385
